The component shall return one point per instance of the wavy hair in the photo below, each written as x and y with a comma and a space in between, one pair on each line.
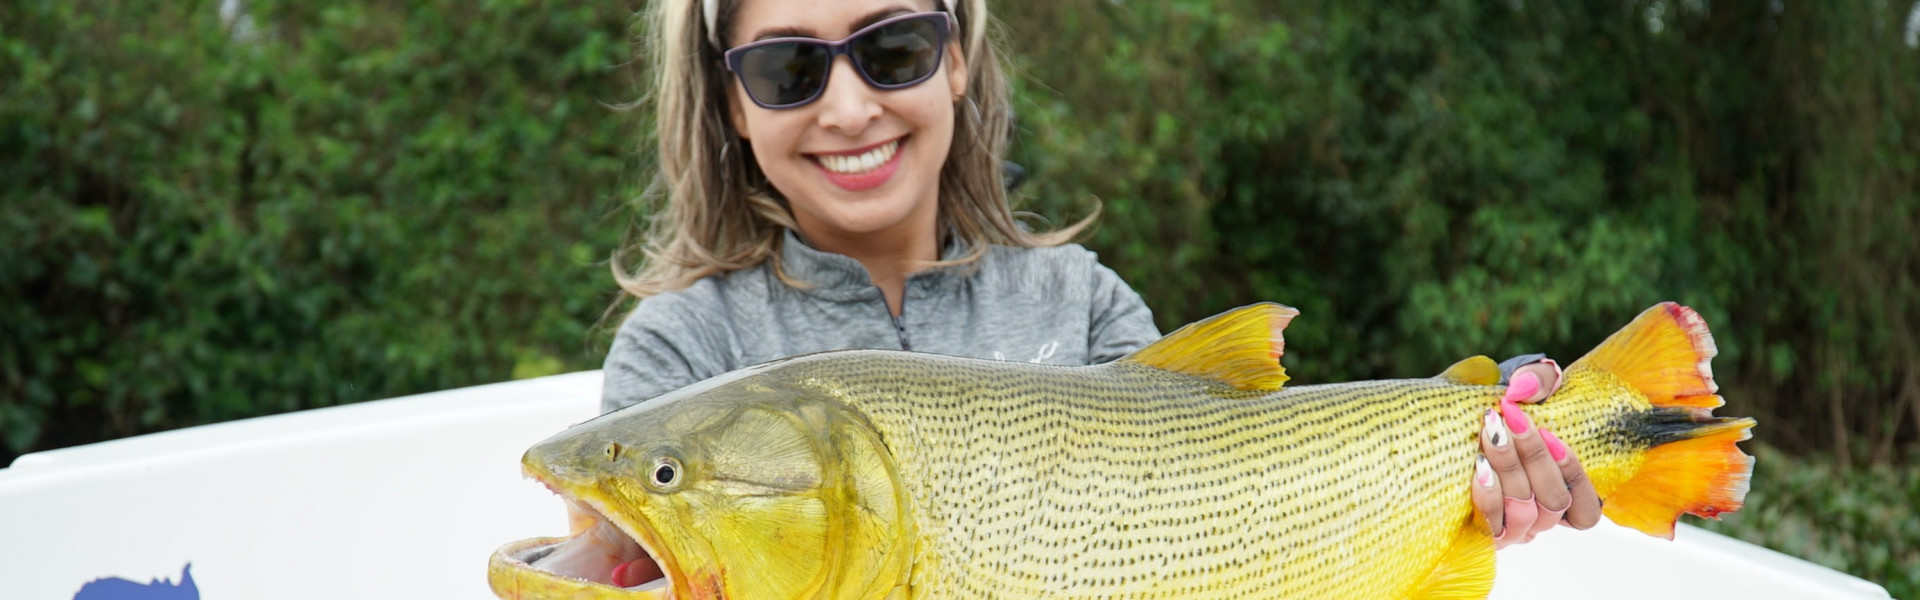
710, 208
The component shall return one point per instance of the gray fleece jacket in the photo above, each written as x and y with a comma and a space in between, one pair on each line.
1055, 305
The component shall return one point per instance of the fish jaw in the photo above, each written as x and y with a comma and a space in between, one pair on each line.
582, 566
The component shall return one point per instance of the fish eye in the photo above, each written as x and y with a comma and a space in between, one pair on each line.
666, 472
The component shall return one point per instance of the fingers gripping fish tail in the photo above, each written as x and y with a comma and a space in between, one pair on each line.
1692, 464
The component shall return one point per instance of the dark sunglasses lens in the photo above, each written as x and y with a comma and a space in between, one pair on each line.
899, 53
781, 74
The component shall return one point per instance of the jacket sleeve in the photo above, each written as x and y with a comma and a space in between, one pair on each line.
1120, 321
1508, 366
666, 343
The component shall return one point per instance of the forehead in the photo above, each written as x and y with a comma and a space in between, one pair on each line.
823, 19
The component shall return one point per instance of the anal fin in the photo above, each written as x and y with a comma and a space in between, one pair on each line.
1465, 569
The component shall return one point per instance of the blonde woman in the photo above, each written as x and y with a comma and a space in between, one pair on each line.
829, 178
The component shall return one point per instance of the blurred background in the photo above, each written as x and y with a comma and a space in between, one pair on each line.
217, 210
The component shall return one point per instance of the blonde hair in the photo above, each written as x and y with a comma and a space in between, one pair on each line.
712, 208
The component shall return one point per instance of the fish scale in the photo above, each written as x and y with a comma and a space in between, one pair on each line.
1068, 473
1186, 469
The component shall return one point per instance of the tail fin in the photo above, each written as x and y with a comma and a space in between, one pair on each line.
1693, 464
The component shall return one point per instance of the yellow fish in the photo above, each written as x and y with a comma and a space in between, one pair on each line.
1185, 470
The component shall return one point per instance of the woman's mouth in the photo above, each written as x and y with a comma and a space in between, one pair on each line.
862, 169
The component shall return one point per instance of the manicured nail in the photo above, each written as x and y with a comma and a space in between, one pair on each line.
1495, 431
1554, 446
1483, 473
1523, 387
1517, 420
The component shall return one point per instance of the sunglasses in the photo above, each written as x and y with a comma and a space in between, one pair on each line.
892, 54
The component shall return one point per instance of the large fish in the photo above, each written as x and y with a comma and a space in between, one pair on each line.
1185, 470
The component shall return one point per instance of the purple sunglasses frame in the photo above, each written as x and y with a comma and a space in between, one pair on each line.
944, 30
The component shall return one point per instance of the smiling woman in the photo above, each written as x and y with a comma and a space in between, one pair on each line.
830, 179
890, 157
859, 166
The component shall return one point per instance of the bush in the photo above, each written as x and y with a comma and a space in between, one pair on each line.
1427, 181
343, 202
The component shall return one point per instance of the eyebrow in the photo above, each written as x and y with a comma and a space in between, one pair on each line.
858, 24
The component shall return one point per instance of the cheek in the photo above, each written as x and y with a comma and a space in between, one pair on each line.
773, 134
934, 119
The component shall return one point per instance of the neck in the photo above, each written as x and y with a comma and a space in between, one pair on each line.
890, 257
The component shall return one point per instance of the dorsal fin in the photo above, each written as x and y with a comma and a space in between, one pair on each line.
1240, 348
1476, 370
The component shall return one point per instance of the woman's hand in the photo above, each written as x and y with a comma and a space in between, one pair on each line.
1527, 481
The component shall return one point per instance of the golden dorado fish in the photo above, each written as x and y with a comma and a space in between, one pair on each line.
1185, 470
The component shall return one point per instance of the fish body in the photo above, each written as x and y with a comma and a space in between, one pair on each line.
1187, 470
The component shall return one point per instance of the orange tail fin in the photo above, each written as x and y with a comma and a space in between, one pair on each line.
1693, 464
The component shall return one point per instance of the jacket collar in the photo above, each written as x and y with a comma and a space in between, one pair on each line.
840, 276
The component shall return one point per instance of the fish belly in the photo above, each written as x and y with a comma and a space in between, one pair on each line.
1125, 482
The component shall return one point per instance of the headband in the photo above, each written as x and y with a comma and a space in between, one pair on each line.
712, 8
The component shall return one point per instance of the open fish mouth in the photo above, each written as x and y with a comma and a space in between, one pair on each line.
600, 559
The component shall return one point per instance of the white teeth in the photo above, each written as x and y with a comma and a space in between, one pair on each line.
857, 164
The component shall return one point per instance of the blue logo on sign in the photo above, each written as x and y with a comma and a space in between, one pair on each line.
115, 588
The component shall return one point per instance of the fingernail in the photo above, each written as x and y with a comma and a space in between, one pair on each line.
1523, 387
1495, 431
1554, 446
1517, 421
1483, 473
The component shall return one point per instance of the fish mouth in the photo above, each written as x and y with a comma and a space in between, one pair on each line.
600, 560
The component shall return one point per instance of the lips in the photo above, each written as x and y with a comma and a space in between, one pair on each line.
863, 168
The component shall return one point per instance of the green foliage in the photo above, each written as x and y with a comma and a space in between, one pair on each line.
1427, 181
348, 201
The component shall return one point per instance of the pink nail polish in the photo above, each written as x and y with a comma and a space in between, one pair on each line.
1554, 446
1517, 420
1523, 387
1483, 473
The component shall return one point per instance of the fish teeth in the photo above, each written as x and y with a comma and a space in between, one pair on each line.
860, 163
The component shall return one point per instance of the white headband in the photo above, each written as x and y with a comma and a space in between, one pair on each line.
712, 8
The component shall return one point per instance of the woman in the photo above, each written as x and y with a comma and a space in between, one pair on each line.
831, 179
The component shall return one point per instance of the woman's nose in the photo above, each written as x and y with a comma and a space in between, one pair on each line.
848, 104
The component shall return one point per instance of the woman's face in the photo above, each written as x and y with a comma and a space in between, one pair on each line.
857, 165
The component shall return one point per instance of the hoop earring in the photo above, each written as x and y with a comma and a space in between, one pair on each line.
975, 108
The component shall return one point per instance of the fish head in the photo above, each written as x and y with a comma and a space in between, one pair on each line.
747, 488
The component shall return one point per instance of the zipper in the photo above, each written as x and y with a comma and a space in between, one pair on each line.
900, 327
899, 322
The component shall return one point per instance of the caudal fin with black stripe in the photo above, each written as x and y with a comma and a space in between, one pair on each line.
1693, 464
